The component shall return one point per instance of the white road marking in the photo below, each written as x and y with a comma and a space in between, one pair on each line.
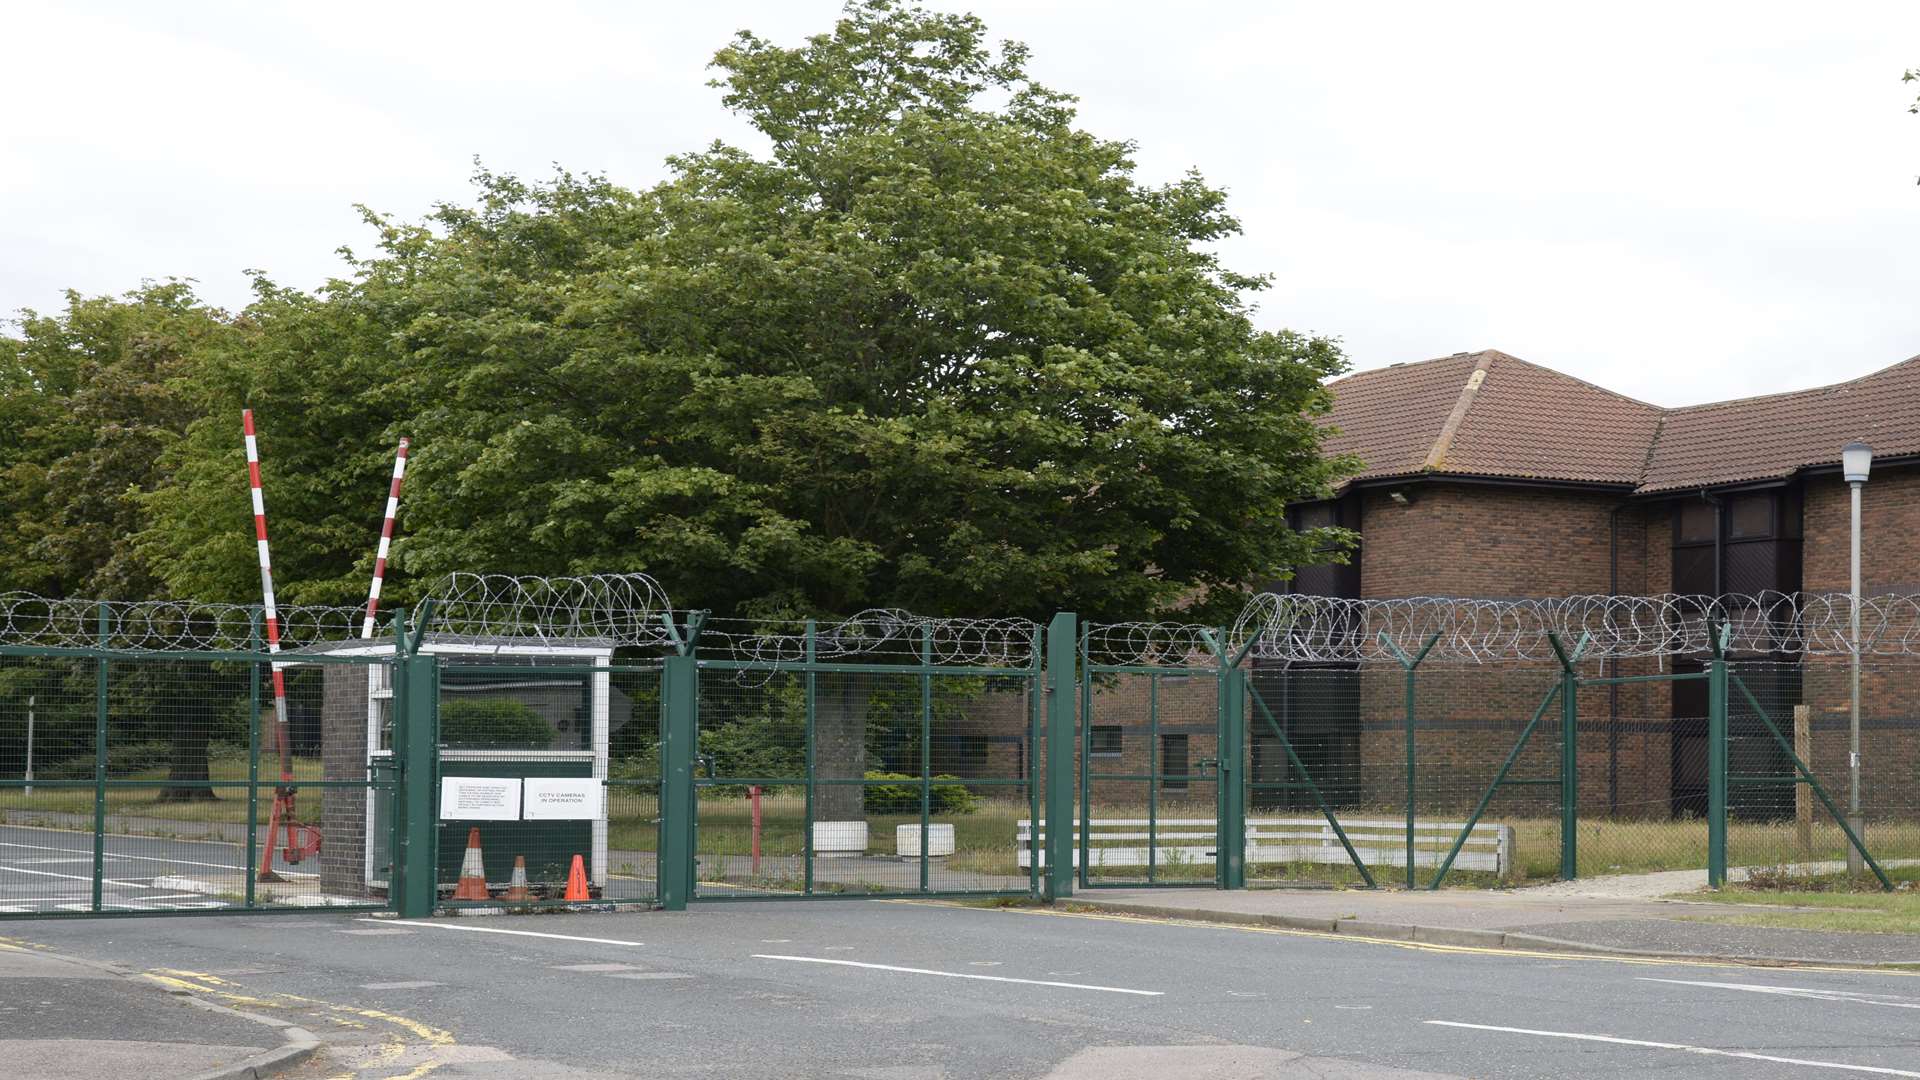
116, 855
418, 984
956, 974
6, 869
1848, 996
1684, 1048
497, 930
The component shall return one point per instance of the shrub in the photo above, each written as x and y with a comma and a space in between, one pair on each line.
493, 724
904, 797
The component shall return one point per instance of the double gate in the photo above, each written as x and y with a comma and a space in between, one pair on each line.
883, 756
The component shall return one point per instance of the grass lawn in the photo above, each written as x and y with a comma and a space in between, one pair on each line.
230, 804
1825, 902
985, 837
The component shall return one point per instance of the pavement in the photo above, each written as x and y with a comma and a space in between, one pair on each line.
65, 1018
1593, 915
917, 990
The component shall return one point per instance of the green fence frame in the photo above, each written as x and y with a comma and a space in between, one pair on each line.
103, 656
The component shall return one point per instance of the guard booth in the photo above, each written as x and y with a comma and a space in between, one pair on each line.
524, 727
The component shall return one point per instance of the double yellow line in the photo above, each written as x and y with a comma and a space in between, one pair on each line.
395, 1045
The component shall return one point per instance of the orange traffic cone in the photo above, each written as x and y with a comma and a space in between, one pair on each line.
473, 872
577, 882
517, 885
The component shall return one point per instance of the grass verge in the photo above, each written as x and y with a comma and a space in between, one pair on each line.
1824, 902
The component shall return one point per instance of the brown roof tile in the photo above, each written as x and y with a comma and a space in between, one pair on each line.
1490, 414
1765, 438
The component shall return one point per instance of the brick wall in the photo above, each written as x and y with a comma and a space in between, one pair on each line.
1487, 541
1889, 533
343, 755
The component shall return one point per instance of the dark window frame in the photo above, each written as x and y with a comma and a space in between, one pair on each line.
1170, 781
1094, 745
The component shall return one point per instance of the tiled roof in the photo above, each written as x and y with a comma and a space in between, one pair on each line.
1490, 414
1764, 438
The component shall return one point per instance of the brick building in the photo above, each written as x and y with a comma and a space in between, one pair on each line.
1486, 476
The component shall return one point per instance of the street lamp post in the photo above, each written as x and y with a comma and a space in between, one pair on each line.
1856, 462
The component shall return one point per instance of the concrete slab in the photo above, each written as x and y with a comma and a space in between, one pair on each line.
90, 1059
1521, 918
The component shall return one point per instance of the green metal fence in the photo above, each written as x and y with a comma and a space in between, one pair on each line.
135, 783
538, 755
885, 756
1204, 762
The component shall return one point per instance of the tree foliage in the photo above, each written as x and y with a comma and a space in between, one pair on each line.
929, 346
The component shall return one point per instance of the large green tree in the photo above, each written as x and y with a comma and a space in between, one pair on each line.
92, 400
933, 347
926, 345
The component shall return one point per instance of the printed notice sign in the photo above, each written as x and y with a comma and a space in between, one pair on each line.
479, 798
562, 800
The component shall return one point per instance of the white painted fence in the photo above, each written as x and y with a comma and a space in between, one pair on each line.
1190, 842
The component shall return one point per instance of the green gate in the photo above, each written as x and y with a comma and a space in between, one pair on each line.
883, 755
1172, 733
146, 767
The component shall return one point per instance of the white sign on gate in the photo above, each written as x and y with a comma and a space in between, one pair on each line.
479, 798
557, 799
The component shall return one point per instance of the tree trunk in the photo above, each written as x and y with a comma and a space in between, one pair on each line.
840, 747
189, 765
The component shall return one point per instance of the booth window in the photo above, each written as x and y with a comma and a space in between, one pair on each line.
487, 707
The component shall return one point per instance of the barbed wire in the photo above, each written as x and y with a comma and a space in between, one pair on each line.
626, 610
880, 633
1312, 629
164, 625
1150, 644
618, 609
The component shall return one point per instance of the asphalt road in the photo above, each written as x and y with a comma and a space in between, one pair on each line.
51, 870
904, 991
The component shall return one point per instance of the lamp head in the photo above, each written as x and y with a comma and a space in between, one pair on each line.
1856, 461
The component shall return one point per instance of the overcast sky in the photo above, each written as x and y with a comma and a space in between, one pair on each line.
1682, 202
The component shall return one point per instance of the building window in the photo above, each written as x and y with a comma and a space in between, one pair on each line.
1750, 517
1174, 762
1746, 543
1328, 578
1105, 741
1693, 522
964, 756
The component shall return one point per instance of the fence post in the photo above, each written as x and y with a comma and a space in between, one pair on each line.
1230, 840
103, 622
253, 755
1717, 761
679, 687
1063, 646
416, 699
1569, 755
1569, 776
1802, 796
1411, 664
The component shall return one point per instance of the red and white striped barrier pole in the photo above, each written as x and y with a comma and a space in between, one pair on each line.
283, 795
386, 540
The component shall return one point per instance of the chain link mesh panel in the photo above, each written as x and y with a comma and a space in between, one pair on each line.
155, 783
